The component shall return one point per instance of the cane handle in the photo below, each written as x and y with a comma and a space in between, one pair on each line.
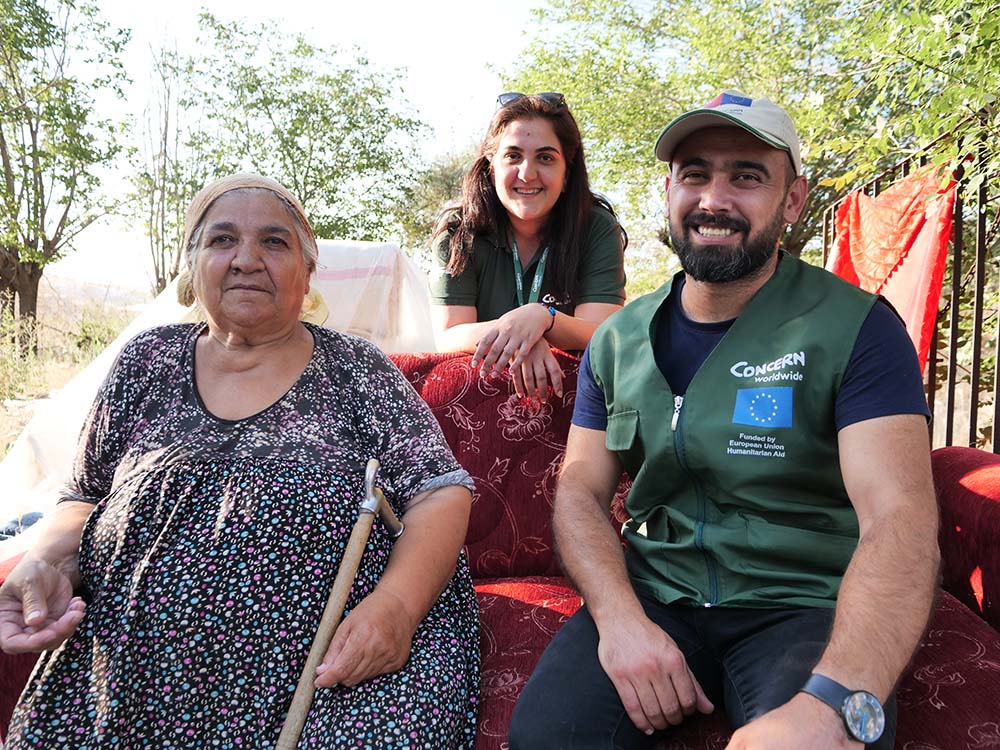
392, 523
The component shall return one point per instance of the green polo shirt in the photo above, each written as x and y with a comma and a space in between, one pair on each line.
488, 282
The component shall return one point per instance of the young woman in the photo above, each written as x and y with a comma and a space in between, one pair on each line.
529, 258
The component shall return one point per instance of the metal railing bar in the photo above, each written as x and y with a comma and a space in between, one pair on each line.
977, 307
931, 381
954, 312
827, 239
995, 430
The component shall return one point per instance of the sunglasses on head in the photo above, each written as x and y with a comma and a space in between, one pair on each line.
551, 97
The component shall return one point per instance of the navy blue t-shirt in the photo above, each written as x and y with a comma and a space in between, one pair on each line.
882, 376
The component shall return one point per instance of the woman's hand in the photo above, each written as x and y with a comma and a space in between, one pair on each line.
377, 636
37, 608
539, 374
374, 639
510, 339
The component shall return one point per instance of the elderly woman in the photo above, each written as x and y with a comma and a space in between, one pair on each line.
217, 480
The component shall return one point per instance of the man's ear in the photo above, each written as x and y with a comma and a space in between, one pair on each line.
795, 199
666, 193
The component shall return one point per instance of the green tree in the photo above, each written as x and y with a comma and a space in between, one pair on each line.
941, 56
626, 69
170, 166
56, 59
327, 124
433, 188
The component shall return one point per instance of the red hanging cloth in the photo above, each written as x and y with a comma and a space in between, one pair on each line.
896, 245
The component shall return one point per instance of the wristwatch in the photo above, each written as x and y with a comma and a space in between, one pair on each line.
861, 711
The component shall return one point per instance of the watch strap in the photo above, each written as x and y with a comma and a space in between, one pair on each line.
831, 692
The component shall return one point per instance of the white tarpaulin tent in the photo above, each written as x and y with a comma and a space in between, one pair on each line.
370, 289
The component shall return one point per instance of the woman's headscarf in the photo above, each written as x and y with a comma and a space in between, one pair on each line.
313, 307
242, 180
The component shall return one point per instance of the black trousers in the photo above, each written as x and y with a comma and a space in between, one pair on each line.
749, 661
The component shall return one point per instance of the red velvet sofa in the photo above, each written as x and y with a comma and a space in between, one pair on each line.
948, 700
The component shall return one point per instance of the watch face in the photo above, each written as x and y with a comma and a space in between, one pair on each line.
863, 716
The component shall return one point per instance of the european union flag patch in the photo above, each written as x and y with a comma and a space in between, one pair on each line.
764, 407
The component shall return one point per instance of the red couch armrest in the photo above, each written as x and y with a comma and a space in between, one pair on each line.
968, 488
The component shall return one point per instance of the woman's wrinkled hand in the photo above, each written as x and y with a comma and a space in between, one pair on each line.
539, 375
37, 608
374, 639
507, 343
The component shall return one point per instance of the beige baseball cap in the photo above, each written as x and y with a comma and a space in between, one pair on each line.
761, 117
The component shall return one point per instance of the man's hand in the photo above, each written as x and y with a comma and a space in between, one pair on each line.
374, 639
37, 608
539, 374
509, 340
803, 722
650, 674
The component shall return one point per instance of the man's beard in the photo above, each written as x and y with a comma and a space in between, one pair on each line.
719, 264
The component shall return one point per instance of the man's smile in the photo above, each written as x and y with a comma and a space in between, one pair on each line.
714, 231
715, 227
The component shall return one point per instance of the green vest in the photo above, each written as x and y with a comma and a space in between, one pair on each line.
737, 496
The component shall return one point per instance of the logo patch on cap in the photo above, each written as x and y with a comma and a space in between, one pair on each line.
726, 98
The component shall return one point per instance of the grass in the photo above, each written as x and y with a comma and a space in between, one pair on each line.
75, 323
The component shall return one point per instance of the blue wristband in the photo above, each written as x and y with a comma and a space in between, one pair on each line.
552, 312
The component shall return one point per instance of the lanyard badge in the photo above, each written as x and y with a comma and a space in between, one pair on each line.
536, 283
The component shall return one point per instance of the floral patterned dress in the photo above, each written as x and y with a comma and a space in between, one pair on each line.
209, 556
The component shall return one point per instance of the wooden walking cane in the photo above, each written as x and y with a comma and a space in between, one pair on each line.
374, 502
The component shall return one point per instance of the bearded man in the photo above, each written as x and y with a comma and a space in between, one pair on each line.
781, 556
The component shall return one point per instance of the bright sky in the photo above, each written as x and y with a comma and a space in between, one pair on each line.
445, 46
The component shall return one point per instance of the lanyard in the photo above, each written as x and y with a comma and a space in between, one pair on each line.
536, 284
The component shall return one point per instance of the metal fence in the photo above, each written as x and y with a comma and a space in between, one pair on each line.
961, 378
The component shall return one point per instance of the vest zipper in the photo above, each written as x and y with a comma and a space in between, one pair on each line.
699, 534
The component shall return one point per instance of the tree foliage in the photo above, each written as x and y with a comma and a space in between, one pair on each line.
169, 167
56, 59
627, 69
943, 58
433, 188
325, 123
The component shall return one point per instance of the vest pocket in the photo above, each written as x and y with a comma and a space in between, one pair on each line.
622, 429
795, 552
